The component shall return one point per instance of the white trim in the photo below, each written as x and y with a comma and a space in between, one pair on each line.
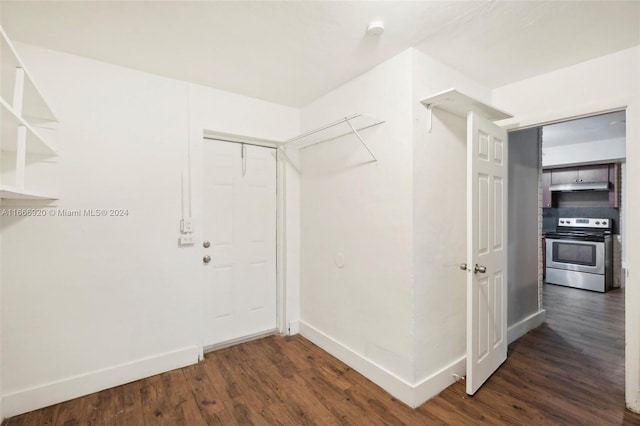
239, 340
387, 380
293, 328
281, 244
26, 400
565, 114
525, 325
413, 395
439, 381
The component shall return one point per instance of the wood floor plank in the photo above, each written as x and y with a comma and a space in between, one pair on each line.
220, 377
155, 404
45, 417
247, 382
284, 414
332, 397
128, 405
71, 413
210, 400
100, 409
243, 412
185, 410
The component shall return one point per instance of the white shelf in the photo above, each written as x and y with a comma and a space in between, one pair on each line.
21, 107
11, 193
332, 131
35, 109
459, 104
9, 135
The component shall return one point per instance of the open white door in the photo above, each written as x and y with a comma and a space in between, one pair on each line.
486, 249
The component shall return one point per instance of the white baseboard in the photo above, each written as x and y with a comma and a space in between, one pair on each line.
410, 394
294, 328
522, 327
388, 381
439, 381
63, 390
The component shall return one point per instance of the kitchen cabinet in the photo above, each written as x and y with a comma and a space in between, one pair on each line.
22, 109
584, 174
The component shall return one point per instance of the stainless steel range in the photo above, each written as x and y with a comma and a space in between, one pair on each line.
579, 254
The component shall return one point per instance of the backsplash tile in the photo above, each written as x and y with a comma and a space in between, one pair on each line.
550, 216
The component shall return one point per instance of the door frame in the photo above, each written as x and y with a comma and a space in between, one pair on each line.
281, 234
632, 308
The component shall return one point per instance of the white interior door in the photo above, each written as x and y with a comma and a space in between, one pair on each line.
486, 250
240, 224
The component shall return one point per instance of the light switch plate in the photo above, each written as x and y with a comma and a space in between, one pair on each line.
185, 240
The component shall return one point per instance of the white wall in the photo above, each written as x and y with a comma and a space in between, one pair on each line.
604, 151
602, 84
362, 210
439, 244
396, 311
90, 302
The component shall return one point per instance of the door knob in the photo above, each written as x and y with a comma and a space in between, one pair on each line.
206, 259
463, 266
481, 269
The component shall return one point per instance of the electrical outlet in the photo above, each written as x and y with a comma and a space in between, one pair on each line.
186, 240
186, 226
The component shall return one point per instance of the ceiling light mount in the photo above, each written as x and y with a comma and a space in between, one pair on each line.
375, 28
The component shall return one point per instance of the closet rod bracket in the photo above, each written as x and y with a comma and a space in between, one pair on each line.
355, 132
430, 117
289, 160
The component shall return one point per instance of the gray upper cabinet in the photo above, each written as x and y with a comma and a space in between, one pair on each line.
584, 174
581, 174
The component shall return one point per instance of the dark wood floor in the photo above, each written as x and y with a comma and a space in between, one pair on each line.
568, 371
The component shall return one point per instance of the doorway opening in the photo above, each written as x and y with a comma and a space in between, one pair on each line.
580, 176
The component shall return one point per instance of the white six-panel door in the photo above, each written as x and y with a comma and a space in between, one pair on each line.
486, 250
240, 224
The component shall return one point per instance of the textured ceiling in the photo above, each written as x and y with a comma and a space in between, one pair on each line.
293, 52
601, 127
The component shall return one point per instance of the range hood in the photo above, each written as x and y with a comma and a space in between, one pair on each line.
580, 186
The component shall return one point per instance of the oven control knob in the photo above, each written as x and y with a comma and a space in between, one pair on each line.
562, 221
604, 222
598, 223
